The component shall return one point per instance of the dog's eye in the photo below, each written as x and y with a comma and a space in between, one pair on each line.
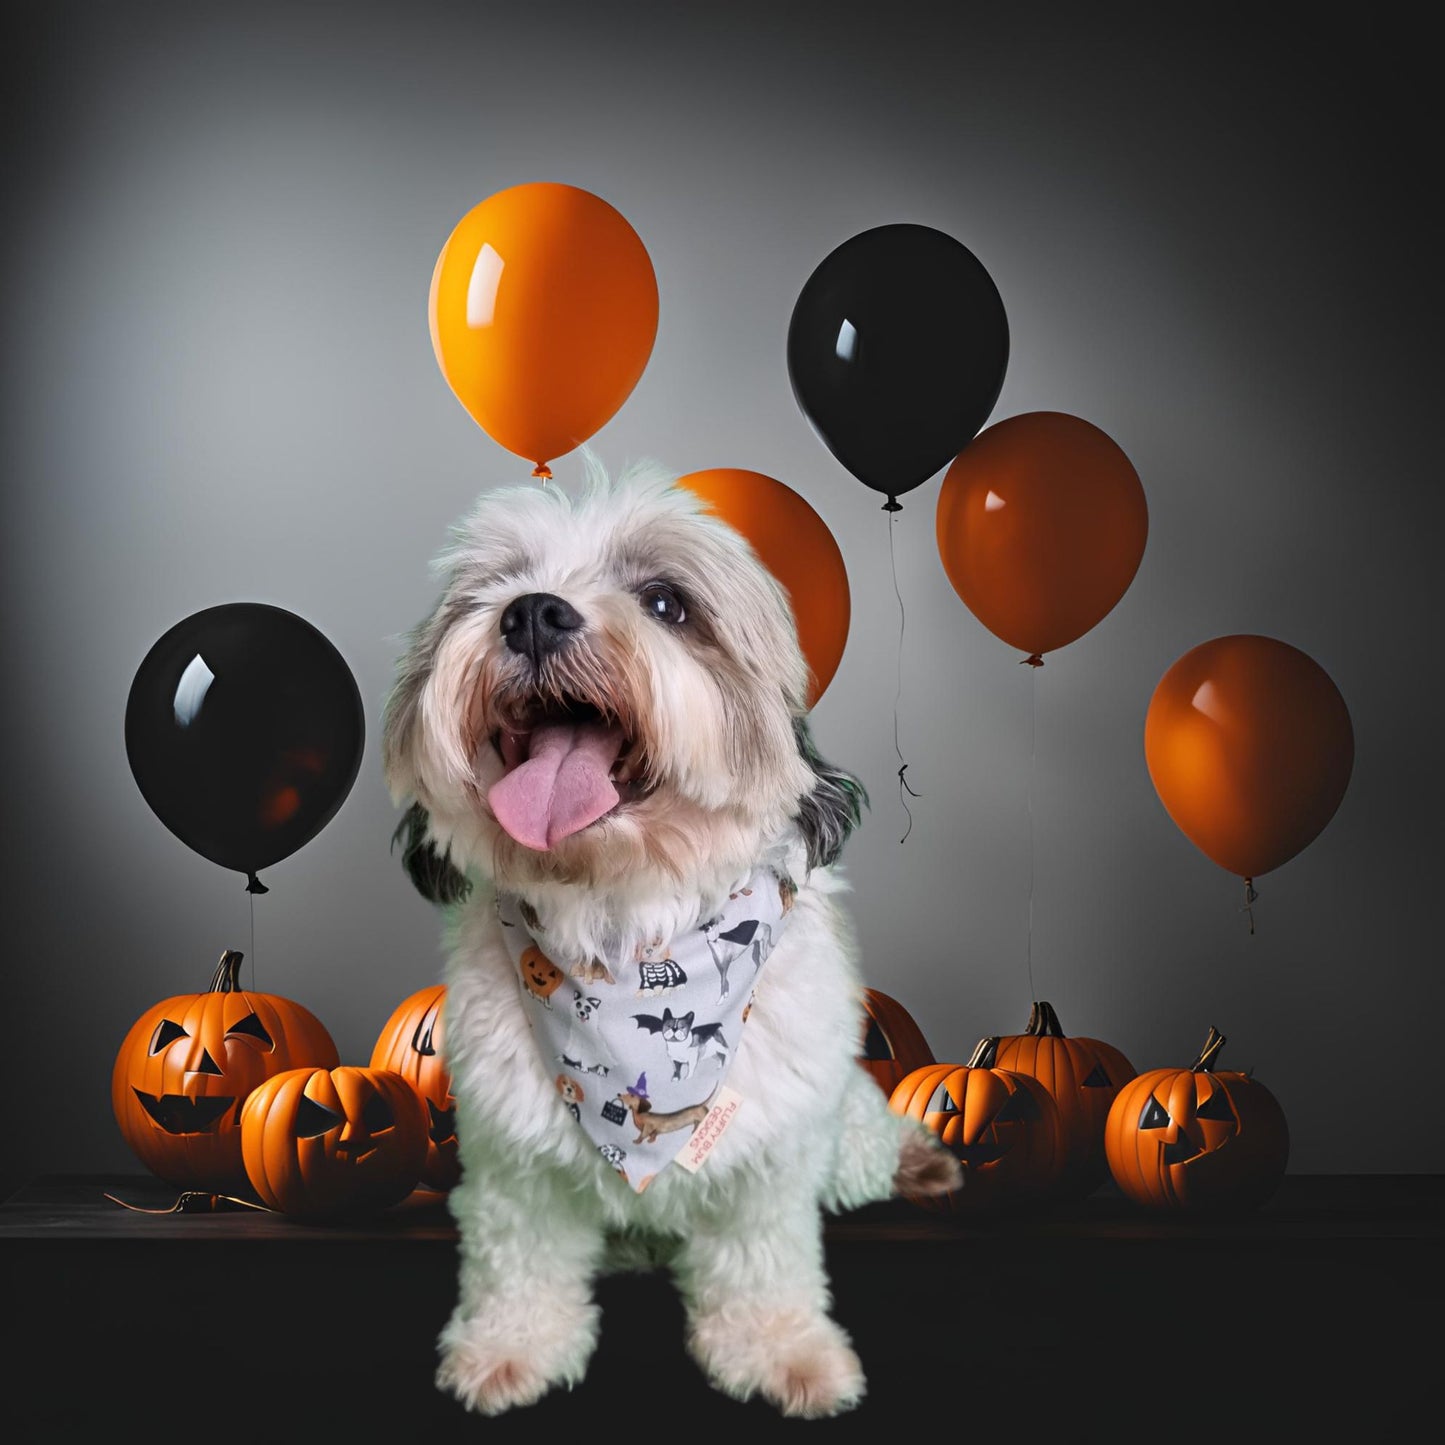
661, 602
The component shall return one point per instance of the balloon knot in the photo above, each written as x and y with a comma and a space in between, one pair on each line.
254, 884
891, 505
1032, 661
543, 471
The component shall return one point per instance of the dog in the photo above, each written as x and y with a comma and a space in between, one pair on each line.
599, 744
650, 1124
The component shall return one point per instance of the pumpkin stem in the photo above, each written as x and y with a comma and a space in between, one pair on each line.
985, 1054
1212, 1046
227, 977
1044, 1022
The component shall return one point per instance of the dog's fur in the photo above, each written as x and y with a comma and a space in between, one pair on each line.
727, 779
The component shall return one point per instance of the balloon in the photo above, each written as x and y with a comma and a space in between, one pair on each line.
244, 731
1250, 748
543, 311
1041, 527
896, 353
795, 545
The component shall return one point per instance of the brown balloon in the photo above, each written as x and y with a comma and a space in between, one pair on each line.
1041, 527
1250, 748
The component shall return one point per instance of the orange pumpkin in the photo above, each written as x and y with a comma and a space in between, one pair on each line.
327, 1144
1001, 1126
187, 1065
540, 976
893, 1044
1084, 1076
1197, 1139
412, 1045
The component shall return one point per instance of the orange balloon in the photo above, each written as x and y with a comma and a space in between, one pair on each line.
543, 312
1250, 748
794, 544
1041, 527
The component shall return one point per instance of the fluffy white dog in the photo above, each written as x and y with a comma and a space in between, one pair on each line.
654, 1003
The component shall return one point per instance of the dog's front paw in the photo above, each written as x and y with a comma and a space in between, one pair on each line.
800, 1362
925, 1166
490, 1366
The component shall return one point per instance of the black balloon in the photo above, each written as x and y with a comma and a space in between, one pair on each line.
897, 349
244, 729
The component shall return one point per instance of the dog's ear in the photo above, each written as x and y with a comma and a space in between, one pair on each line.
433, 873
832, 808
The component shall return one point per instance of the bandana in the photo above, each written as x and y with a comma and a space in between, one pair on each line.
639, 1046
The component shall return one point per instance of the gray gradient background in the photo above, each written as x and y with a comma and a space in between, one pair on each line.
1214, 241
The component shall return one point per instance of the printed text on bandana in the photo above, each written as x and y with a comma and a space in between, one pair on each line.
694, 1154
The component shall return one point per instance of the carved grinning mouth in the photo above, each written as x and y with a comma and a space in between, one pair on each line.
177, 1114
974, 1155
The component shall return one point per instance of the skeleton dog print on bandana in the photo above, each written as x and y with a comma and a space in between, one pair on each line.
640, 1046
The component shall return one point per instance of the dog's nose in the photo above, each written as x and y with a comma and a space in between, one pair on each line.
538, 624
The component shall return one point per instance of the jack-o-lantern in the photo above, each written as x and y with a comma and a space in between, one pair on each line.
893, 1044
327, 1144
541, 977
1197, 1139
187, 1065
1084, 1075
412, 1045
1001, 1126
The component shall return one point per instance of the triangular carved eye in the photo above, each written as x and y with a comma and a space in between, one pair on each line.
443, 1123
942, 1102
313, 1119
1216, 1106
252, 1028
166, 1033
377, 1117
1097, 1079
876, 1048
1154, 1115
1021, 1104
421, 1039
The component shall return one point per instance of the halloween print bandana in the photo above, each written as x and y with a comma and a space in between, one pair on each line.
639, 1046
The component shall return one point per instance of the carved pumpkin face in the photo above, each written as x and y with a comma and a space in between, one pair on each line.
893, 1044
1001, 1126
187, 1065
411, 1044
1084, 1077
1197, 1139
326, 1144
541, 976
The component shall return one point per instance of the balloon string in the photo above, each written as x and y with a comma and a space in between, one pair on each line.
1033, 755
253, 943
1250, 895
903, 786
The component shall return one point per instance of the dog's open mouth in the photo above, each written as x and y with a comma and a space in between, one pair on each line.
566, 766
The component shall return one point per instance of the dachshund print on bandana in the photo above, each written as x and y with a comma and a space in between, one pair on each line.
640, 1046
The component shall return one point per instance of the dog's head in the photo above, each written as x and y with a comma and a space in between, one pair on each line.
609, 685
584, 1006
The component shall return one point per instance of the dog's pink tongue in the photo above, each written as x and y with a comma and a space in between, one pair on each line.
561, 786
